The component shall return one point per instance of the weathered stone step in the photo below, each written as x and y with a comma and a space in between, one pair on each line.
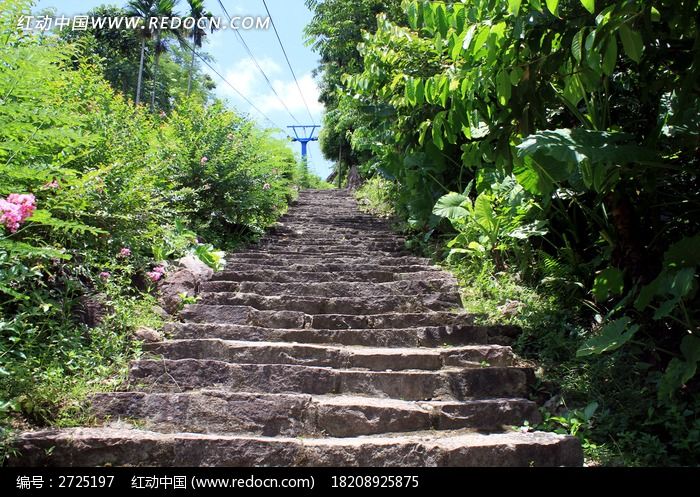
282, 260
294, 415
282, 232
332, 222
328, 252
332, 305
447, 289
427, 336
282, 228
117, 447
320, 276
340, 357
447, 384
232, 314
313, 243
326, 268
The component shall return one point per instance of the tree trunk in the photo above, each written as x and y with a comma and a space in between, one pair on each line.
155, 72
629, 252
354, 179
189, 77
140, 77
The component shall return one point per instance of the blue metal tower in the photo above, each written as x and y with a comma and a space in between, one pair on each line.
304, 136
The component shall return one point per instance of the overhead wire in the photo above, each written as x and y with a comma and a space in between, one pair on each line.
238, 92
255, 61
289, 64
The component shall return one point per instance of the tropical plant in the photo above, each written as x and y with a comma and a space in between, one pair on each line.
144, 10
197, 34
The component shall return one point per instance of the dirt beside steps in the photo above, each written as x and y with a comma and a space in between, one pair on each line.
327, 344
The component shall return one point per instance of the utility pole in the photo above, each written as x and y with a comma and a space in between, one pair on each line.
304, 134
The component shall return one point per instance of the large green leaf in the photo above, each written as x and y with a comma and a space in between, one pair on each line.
612, 336
553, 5
608, 282
632, 42
578, 145
577, 44
536, 179
610, 56
450, 206
503, 87
514, 6
684, 253
589, 5
441, 19
680, 371
484, 214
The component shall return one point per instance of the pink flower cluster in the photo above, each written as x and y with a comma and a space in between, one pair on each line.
156, 274
124, 253
15, 210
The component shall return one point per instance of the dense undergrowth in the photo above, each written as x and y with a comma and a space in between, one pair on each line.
547, 151
96, 195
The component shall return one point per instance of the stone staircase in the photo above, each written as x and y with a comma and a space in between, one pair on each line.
325, 345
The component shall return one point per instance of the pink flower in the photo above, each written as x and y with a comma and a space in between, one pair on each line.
52, 185
153, 276
105, 275
163, 115
16, 209
125, 252
204, 160
159, 269
266, 186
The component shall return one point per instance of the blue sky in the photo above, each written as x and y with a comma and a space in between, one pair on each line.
232, 61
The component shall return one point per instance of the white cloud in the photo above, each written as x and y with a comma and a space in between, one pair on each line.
289, 94
247, 79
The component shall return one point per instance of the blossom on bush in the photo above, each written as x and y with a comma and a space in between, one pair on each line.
204, 160
16, 209
105, 275
157, 273
125, 252
266, 186
52, 185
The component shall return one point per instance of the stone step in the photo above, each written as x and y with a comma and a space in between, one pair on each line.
332, 305
447, 384
447, 289
340, 244
232, 314
236, 266
340, 357
351, 222
270, 275
131, 447
282, 260
427, 336
295, 415
281, 231
328, 252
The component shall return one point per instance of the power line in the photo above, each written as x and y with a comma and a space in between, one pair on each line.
287, 59
250, 53
252, 105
